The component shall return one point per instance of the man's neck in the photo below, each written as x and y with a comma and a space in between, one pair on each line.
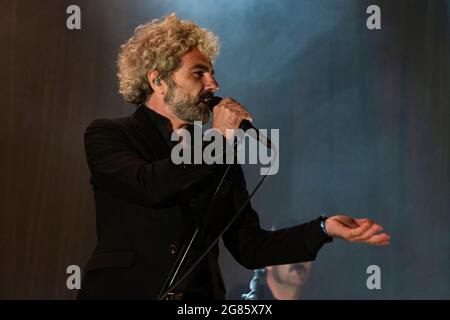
282, 291
164, 110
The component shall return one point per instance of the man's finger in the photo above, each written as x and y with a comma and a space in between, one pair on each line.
382, 243
356, 232
362, 220
379, 238
369, 232
245, 115
236, 107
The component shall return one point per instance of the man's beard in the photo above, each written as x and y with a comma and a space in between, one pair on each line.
186, 107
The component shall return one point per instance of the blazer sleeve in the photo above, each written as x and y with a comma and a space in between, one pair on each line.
119, 169
255, 248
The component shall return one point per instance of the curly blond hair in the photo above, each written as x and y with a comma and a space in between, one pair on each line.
159, 45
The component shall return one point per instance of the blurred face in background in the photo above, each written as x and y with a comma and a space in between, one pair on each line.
295, 274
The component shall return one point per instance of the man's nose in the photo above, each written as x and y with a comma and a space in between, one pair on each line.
211, 84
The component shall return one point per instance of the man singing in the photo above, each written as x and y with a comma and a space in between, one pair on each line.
155, 218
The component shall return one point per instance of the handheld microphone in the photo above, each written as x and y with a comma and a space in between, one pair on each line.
245, 124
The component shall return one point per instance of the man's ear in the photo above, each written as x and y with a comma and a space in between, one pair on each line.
155, 82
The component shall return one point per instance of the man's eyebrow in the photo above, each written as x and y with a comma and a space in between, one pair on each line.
203, 67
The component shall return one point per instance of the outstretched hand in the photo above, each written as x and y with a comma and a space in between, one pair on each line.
356, 230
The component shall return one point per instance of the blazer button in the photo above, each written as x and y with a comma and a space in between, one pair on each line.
173, 249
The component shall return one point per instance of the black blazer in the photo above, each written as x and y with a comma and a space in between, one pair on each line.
147, 209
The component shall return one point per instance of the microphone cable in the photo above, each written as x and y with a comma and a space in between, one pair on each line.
213, 243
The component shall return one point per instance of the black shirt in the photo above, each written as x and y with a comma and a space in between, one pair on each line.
196, 285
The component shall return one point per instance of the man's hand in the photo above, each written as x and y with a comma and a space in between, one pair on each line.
228, 114
356, 230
